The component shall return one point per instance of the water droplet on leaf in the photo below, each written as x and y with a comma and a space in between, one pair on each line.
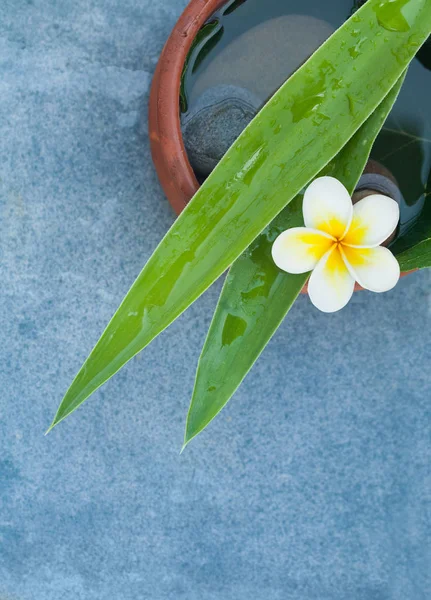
390, 16
234, 328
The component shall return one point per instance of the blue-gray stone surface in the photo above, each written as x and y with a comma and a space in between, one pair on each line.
314, 482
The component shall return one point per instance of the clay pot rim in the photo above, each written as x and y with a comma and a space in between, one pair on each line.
169, 155
167, 147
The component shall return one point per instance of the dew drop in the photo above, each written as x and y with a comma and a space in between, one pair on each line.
311, 99
354, 104
390, 16
234, 328
356, 50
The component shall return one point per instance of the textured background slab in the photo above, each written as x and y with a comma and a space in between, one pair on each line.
312, 485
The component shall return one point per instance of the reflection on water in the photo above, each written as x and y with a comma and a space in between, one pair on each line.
246, 51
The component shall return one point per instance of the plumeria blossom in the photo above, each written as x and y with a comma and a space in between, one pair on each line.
340, 244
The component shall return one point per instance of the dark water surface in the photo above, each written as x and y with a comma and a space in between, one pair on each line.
255, 45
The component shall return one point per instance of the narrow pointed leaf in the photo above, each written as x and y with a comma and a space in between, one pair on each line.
296, 134
257, 295
413, 251
417, 257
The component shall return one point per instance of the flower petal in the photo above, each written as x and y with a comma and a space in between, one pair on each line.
374, 219
331, 285
328, 206
376, 269
299, 249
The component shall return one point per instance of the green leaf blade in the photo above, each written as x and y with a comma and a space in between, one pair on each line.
413, 250
256, 293
417, 257
295, 135
242, 323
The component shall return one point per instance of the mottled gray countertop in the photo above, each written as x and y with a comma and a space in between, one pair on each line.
313, 484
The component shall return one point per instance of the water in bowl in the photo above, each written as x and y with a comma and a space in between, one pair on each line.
248, 48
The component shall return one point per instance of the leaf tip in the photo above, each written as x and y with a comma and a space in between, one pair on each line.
55, 422
51, 427
188, 436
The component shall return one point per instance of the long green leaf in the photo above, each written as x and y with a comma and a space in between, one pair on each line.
296, 134
417, 257
413, 251
257, 296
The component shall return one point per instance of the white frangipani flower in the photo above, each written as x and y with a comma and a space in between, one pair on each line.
340, 244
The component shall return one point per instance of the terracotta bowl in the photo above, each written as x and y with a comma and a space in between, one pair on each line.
167, 147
